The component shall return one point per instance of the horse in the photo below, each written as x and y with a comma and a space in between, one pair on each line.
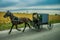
15, 21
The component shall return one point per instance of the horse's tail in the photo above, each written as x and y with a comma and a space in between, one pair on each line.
29, 20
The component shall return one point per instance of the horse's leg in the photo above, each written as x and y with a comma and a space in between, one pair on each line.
17, 28
11, 29
24, 28
28, 25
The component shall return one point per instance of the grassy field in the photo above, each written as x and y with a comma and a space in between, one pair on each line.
8, 26
54, 18
19, 15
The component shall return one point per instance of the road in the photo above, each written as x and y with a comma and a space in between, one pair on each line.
29, 34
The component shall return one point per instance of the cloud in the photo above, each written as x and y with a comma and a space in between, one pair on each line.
10, 0
7, 3
30, 1
21, 4
33, 7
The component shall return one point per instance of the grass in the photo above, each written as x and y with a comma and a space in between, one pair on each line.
54, 21
8, 26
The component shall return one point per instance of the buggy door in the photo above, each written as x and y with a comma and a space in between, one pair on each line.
43, 18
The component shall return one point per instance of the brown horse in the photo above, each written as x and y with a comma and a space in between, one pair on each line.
15, 21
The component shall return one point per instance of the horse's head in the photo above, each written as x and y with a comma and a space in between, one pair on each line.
7, 14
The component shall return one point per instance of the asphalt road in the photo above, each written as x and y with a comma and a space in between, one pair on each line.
29, 34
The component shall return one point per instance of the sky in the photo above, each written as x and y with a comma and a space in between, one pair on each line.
29, 4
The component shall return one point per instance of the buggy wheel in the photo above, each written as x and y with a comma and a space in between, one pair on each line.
50, 26
36, 26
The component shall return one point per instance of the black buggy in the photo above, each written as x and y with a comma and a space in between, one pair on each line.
41, 19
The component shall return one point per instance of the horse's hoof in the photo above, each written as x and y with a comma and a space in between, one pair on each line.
9, 33
23, 31
19, 29
29, 28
